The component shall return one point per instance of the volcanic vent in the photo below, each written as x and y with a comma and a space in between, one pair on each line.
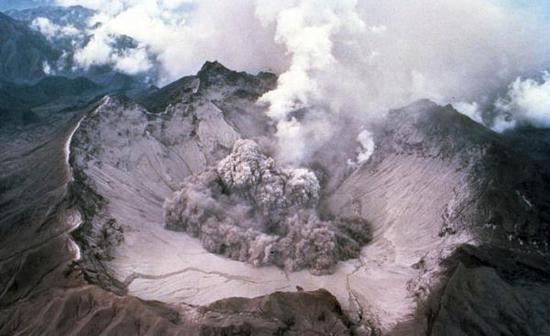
248, 209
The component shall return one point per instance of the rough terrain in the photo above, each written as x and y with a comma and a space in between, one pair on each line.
457, 216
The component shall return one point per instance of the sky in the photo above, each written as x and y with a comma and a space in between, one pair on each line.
21, 4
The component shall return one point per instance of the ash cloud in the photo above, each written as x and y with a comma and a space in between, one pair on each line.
248, 209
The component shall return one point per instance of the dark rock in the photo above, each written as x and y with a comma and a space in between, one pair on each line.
280, 313
493, 291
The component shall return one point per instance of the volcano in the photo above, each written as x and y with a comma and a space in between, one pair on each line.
166, 214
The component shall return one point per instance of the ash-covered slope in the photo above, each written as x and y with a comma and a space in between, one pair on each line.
496, 191
493, 291
438, 180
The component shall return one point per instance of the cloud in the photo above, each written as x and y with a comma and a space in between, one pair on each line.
46, 67
133, 61
97, 51
283, 230
182, 35
53, 31
104, 48
526, 102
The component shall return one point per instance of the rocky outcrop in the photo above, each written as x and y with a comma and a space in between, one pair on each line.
493, 291
290, 313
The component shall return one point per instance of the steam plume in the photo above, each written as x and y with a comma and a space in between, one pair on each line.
344, 62
307, 29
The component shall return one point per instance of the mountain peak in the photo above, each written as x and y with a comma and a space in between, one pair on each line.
213, 66
213, 72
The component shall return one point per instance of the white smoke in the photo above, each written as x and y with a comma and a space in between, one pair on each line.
102, 49
364, 150
365, 138
306, 29
446, 51
527, 102
51, 30
471, 110
344, 61
47, 68
182, 35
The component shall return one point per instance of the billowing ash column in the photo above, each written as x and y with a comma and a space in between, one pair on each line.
248, 209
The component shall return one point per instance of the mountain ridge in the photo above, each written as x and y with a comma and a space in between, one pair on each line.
22, 52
